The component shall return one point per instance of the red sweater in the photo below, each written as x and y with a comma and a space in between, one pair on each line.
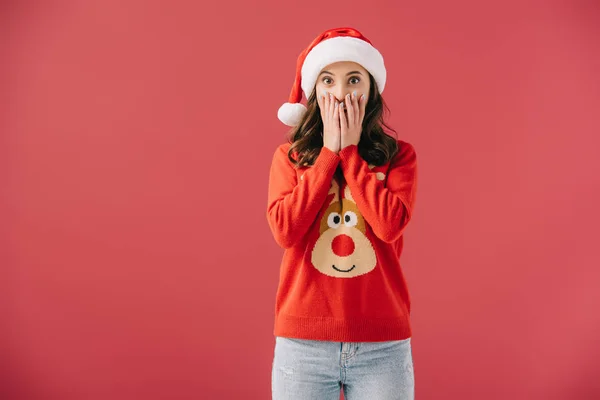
340, 277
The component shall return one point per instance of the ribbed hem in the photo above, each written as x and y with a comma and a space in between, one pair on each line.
343, 330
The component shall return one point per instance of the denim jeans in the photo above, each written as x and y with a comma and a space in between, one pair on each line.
318, 370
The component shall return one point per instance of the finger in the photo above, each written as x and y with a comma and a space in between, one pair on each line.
325, 102
343, 121
321, 103
350, 109
363, 106
332, 107
356, 107
336, 110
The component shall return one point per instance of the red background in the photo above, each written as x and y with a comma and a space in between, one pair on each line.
135, 142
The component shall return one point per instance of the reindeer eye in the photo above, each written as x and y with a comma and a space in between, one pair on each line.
350, 218
334, 220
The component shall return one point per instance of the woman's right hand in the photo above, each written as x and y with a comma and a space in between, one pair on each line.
330, 109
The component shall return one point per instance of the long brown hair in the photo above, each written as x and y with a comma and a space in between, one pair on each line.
376, 146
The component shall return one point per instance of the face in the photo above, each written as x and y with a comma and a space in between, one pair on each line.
342, 78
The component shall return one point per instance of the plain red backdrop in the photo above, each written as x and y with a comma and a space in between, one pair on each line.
135, 143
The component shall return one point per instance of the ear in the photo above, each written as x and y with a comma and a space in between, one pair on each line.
348, 194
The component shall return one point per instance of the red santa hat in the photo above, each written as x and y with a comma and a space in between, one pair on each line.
333, 45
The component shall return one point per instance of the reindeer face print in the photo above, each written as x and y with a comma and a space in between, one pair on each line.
343, 249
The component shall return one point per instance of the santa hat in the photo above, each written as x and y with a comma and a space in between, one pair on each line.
333, 45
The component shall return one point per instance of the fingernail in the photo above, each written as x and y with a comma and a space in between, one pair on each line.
362, 97
354, 94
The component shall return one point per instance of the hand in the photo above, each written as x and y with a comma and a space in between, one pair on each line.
330, 111
351, 120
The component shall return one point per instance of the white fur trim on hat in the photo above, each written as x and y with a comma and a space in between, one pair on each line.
291, 113
342, 48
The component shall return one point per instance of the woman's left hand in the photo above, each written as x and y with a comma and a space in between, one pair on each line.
351, 120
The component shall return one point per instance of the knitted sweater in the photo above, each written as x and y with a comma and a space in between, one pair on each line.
340, 278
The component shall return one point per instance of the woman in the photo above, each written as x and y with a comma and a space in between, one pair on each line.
341, 193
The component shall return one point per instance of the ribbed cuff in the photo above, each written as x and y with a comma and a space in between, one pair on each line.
348, 151
348, 155
326, 161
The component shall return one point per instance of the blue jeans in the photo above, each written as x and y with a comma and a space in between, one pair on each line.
312, 369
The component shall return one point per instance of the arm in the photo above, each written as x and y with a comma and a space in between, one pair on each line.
293, 204
387, 208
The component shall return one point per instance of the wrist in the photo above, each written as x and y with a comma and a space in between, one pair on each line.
348, 149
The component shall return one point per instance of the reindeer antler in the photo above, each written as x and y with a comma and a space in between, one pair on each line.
335, 190
347, 194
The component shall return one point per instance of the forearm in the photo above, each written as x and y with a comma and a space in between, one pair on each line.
292, 209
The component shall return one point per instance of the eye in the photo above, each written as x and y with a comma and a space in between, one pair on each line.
327, 80
356, 79
334, 220
350, 218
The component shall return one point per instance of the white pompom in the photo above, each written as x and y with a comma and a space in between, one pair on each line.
291, 113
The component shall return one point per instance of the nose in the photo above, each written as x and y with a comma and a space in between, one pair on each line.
342, 245
340, 93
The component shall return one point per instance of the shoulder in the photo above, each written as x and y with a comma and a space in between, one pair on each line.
404, 146
280, 153
282, 149
406, 152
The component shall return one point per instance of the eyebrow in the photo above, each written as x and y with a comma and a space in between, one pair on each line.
349, 73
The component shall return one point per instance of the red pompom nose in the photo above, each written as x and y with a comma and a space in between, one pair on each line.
342, 245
